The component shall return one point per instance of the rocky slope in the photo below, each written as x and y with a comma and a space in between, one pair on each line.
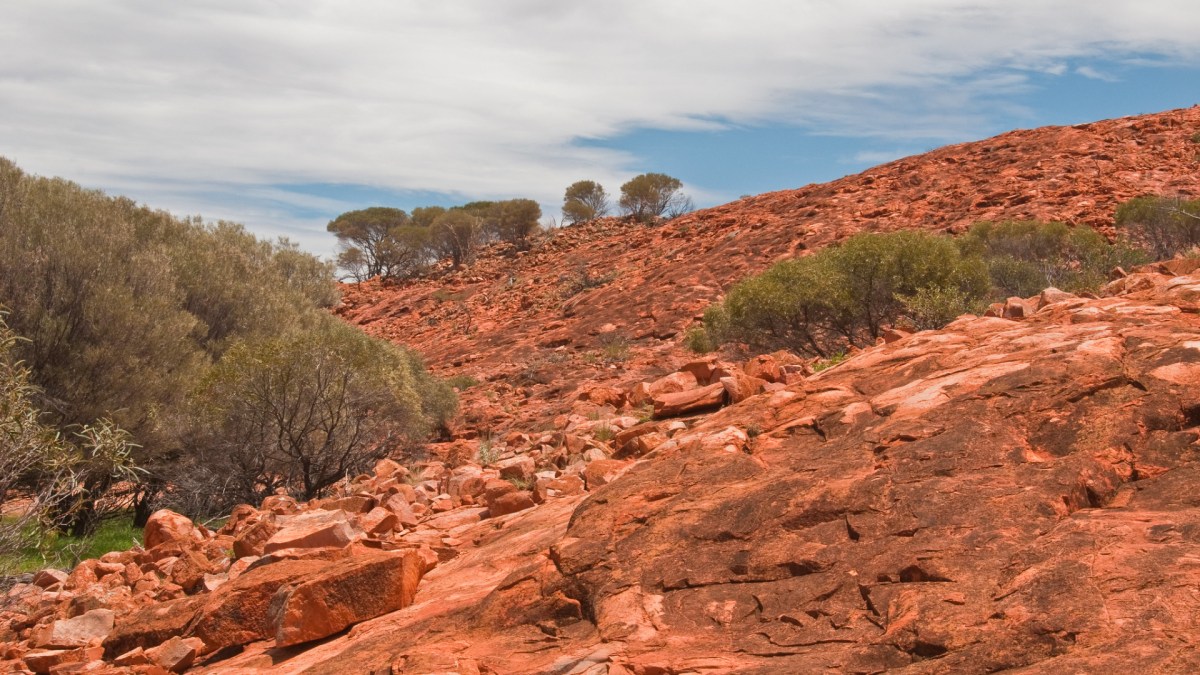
1013, 492
539, 325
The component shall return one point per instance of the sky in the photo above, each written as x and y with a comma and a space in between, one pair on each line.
282, 114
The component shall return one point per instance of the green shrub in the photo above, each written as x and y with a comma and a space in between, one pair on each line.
304, 410
1025, 257
845, 295
1164, 226
697, 339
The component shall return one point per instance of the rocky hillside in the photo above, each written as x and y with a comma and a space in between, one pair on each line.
541, 325
1012, 492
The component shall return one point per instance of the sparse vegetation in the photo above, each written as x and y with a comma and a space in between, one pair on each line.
1164, 226
462, 382
845, 295
584, 200
653, 195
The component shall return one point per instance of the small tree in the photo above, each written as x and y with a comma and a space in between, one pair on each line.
370, 232
650, 195
516, 220
456, 234
584, 200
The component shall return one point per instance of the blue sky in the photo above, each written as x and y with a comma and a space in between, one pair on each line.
281, 115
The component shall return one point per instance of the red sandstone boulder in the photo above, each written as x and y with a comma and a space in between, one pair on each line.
316, 529
175, 655
343, 594
82, 631
510, 502
689, 402
165, 525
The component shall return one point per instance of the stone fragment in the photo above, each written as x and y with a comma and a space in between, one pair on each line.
252, 539
81, 631
175, 655
49, 577
603, 472
510, 503
378, 521
316, 529
740, 386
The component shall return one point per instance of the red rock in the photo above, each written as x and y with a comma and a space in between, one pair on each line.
239, 612
518, 468
345, 594
739, 386
602, 472
317, 529
165, 525
49, 577
281, 505
81, 631
510, 503
673, 383
253, 538
175, 655
389, 468
52, 660
701, 369
689, 402
379, 521
404, 512
352, 504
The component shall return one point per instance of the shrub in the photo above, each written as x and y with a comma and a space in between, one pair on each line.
698, 340
303, 410
1025, 257
584, 200
1164, 226
846, 294
651, 195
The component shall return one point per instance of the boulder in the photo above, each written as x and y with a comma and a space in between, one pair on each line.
344, 594
675, 382
239, 612
316, 529
252, 539
175, 655
165, 525
689, 402
510, 502
603, 472
740, 386
82, 631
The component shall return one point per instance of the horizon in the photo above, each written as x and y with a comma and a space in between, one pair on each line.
283, 120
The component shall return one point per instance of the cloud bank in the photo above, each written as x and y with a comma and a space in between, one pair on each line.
212, 106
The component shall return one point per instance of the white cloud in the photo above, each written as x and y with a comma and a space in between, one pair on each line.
488, 98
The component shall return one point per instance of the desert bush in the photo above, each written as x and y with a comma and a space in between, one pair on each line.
1024, 257
584, 200
845, 295
56, 477
651, 195
1164, 226
303, 410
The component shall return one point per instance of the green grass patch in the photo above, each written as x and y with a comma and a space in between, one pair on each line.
64, 552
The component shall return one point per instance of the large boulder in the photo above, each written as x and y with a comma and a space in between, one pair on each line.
344, 594
165, 526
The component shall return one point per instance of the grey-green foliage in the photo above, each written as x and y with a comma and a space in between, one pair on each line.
56, 475
1165, 226
652, 195
845, 295
126, 309
304, 409
1025, 257
584, 200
